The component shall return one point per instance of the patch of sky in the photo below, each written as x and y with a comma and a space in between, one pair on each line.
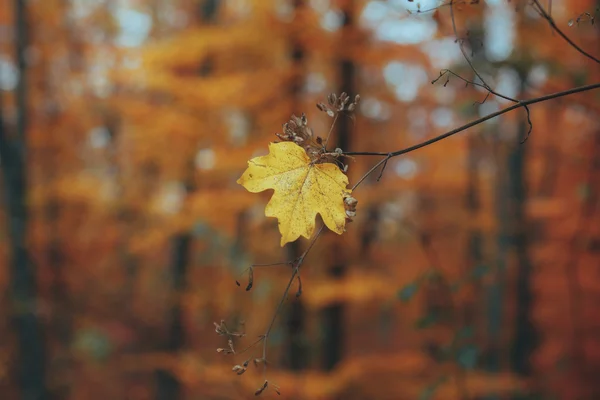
442, 52
332, 20
392, 22
442, 117
238, 126
9, 74
99, 137
205, 159
315, 82
490, 106
538, 75
508, 83
134, 27
406, 168
375, 109
405, 78
499, 30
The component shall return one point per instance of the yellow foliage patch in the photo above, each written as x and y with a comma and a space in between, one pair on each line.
302, 189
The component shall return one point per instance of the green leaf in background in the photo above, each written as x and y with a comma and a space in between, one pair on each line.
465, 332
583, 191
426, 321
467, 357
93, 343
430, 389
407, 292
480, 271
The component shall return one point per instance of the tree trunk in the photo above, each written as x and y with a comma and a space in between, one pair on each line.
31, 372
332, 320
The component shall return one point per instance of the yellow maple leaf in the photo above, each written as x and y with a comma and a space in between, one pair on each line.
302, 189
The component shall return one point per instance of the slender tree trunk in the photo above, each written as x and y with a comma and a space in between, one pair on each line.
332, 320
296, 352
32, 362
476, 237
525, 337
495, 290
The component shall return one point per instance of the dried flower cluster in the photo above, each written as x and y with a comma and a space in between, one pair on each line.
297, 130
339, 104
222, 330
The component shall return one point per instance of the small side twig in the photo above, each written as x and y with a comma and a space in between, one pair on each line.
544, 14
483, 82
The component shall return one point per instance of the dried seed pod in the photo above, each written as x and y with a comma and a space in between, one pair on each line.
258, 361
250, 279
332, 98
351, 201
220, 328
262, 388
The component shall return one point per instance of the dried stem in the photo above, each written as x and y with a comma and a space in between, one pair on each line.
330, 130
295, 272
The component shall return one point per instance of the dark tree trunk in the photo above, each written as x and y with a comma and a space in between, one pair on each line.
296, 352
32, 361
525, 338
332, 320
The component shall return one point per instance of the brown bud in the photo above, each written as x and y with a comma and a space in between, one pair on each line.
262, 388
332, 98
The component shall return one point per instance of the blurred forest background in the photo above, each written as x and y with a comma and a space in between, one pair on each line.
472, 270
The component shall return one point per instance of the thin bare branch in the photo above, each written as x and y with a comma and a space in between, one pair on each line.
295, 273
538, 7
464, 127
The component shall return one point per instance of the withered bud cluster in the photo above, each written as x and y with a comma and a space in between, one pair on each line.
222, 330
297, 130
338, 104
240, 369
350, 206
